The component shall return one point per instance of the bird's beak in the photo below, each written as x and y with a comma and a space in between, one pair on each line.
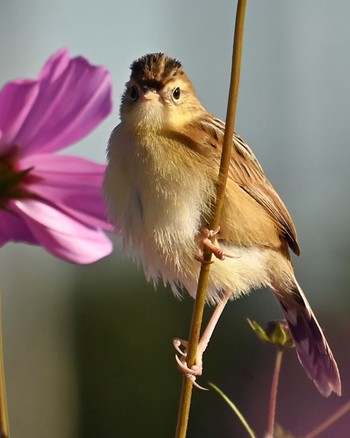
150, 93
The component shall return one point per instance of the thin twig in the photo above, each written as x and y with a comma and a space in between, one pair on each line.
331, 420
197, 316
273, 393
236, 411
4, 423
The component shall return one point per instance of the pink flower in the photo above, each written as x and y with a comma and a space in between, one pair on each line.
45, 198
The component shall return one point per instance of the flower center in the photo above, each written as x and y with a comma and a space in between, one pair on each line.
12, 180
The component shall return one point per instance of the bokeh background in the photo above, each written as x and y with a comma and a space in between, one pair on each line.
88, 349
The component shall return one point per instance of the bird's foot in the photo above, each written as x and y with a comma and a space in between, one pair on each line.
204, 241
195, 370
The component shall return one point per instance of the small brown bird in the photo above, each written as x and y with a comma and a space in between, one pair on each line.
160, 183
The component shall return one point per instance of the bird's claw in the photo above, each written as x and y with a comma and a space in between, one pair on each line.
205, 241
177, 343
207, 235
189, 373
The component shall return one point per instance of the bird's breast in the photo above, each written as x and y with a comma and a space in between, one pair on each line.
157, 199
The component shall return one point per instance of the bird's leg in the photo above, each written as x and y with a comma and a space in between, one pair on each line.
197, 368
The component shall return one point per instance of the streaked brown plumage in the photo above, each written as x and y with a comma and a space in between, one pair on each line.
160, 184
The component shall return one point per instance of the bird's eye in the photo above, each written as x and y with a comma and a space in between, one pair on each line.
133, 93
177, 93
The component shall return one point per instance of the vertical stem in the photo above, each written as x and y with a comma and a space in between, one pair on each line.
198, 310
273, 393
197, 316
4, 424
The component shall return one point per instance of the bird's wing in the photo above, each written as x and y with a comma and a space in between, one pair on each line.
245, 171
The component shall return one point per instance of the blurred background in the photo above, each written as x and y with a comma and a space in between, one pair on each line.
88, 349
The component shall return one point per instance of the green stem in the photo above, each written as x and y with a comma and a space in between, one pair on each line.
235, 410
198, 310
4, 423
273, 393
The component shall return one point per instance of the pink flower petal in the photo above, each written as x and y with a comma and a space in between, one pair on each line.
60, 165
55, 65
68, 101
16, 101
62, 235
73, 184
17, 97
72, 101
13, 228
66, 214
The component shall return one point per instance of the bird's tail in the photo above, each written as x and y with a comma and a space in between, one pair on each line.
311, 345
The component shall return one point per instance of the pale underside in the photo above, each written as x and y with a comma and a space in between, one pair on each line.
160, 203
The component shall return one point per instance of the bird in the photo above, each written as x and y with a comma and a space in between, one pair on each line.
160, 186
